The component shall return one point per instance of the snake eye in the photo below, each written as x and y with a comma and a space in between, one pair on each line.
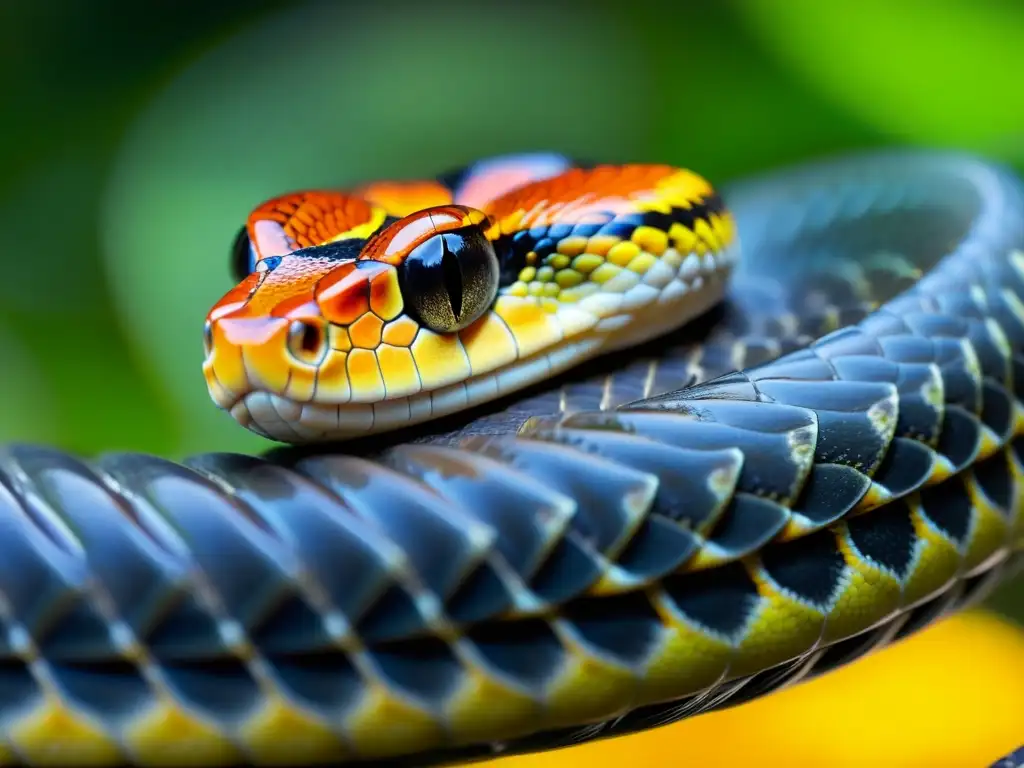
307, 342
451, 279
207, 338
243, 256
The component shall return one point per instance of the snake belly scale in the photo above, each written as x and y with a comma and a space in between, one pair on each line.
827, 465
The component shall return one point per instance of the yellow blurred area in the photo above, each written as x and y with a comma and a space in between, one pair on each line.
950, 696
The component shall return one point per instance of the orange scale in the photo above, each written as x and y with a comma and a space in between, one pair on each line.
267, 364
533, 328
366, 331
400, 198
309, 214
440, 359
357, 210
304, 219
401, 331
578, 194
270, 238
489, 343
332, 385
339, 338
395, 242
344, 293
302, 306
224, 368
481, 188
386, 295
401, 379
293, 276
235, 300
248, 331
320, 232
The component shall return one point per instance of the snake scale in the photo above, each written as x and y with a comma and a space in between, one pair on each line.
822, 463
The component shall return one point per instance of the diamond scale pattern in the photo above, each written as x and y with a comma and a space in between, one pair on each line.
615, 565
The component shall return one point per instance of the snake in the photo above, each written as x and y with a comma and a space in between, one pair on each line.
564, 451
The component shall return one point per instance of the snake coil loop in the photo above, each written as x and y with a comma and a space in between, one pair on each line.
820, 468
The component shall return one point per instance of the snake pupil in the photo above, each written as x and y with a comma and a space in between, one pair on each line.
452, 279
310, 342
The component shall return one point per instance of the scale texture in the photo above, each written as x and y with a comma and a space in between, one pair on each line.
1014, 760
822, 466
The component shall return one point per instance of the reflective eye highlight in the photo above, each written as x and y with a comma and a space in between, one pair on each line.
307, 342
267, 265
450, 279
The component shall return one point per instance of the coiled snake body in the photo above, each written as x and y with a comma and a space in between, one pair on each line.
825, 462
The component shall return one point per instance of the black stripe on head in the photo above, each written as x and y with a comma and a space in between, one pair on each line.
340, 250
688, 217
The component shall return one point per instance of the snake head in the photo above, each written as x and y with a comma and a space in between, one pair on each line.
347, 337
406, 301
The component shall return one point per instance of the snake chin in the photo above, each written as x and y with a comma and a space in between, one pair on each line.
280, 418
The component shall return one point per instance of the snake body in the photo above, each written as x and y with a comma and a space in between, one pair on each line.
823, 465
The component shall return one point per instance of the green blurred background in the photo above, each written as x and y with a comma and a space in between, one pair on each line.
138, 136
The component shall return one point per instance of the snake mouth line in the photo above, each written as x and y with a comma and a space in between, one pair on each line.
280, 418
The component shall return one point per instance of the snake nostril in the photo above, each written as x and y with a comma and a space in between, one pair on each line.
207, 338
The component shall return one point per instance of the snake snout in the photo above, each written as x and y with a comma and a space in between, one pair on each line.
284, 376
248, 354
